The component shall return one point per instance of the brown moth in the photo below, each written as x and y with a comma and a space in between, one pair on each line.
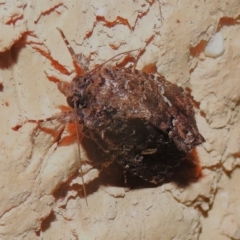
140, 120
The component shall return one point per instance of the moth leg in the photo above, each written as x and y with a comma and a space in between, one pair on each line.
125, 176
80, 61
72, 116
78, 145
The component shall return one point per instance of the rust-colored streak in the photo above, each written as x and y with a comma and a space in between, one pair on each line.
140, 15
189, 90
123, 21
89, 34
53, 79
150, 68
14, 19
149, 40
203, 114
236, 155
51, 9
47, 12
64, 108
151, 2
78, 70
118, 20
67, 141
194, 102
55, 134
198, 49
227, 21
113, 46
16, 128
125, 61
71, 138
54, 63
141, 52
30, 42
71, 128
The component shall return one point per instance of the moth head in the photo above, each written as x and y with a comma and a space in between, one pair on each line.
74, 92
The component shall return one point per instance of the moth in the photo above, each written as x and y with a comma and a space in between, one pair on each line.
144, 122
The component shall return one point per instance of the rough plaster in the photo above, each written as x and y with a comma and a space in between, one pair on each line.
41, 191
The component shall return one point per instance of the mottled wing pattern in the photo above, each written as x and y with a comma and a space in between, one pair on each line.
144, 122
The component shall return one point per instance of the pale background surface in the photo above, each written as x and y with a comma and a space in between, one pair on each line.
193, 44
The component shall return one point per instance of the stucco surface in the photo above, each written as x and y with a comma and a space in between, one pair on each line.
193, 44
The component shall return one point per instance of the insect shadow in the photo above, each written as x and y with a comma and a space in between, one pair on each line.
185, 173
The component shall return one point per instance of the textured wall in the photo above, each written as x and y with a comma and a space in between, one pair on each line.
193, 44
